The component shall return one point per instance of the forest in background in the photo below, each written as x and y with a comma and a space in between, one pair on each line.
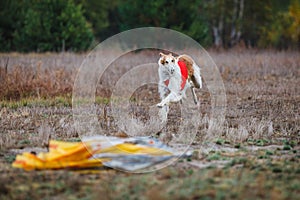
74, 25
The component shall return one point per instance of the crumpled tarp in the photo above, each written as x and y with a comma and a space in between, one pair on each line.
128, 154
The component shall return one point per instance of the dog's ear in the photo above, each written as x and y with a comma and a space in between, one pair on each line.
161, 54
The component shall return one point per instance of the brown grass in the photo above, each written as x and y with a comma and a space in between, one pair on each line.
262, 89
256, 154
37, 75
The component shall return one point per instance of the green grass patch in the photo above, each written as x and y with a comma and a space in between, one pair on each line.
24, 142
9, 158
215, 156
220, 141
33, 102
287, 147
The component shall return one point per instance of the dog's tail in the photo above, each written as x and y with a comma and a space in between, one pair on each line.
196, 77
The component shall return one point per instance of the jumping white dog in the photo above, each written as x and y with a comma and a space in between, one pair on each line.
176, 74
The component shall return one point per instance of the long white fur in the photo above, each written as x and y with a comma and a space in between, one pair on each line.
170, 70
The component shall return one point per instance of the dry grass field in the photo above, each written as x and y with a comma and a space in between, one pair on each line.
255, 156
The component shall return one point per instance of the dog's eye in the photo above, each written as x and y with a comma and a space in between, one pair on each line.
167, 62
173, 60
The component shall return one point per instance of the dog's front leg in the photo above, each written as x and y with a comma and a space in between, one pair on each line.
162, 90
172, 97
164, 102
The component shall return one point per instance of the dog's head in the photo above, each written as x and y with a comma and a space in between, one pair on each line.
167, 62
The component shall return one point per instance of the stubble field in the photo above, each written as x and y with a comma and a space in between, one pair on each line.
255, 153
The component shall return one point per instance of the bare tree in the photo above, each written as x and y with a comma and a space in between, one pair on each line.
226, 19
237, 16
218, 23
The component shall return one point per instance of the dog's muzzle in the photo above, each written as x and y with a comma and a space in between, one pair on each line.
172, 70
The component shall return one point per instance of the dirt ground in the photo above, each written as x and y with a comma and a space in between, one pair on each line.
255, 154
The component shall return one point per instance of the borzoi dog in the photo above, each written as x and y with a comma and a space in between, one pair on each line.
176, 74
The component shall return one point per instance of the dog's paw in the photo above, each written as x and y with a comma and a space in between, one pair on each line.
160, 105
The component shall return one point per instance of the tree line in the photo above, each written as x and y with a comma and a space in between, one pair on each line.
73, 25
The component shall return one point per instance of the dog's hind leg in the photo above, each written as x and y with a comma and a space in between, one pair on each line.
194, 96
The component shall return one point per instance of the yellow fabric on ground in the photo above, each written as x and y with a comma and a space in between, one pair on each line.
128, 148
80, 155
60, 155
